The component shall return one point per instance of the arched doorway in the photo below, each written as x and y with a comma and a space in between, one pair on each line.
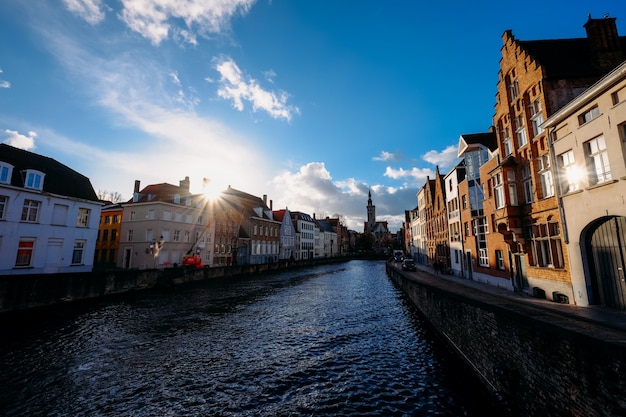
605, 250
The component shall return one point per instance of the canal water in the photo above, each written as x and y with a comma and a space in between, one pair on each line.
333, 340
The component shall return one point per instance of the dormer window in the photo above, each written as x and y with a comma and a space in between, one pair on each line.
34, 179
6, 170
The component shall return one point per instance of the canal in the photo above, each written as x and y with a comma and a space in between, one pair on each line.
332, 340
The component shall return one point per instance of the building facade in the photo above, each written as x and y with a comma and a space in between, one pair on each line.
588, 141
49, 215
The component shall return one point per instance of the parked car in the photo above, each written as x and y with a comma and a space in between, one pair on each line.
409, 265
398, 256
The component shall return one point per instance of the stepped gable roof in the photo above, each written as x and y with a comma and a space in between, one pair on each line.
566, 58
60, 179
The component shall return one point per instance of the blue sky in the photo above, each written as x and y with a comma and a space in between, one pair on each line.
312, 103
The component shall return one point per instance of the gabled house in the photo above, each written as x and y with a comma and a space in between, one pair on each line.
305, 238
49, 215
535, 80
259, 238
287, 246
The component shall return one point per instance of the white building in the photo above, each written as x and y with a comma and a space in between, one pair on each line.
305, 227
49, 215
589, 152
451, 182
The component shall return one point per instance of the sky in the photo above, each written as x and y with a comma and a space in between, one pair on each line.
313, 103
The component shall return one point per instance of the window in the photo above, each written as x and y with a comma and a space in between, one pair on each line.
187, 236
105, 235
167, 215
570, 173
107, 219
151, 214
545, 174
545, 245
176, 237
4, 200
528, 184
6, 171
25, 253
77, 253
498, 190
615, 98
597, 160
520, 131
506, 141
536, 117
116, 218
499, 259
129, 235
512, 187
30, 211
83, 217
132, 214
113, 235
589, 115
514, 89
34, 179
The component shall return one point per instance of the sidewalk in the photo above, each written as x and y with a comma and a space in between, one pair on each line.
602, 318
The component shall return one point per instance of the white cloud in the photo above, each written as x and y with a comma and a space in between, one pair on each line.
387, 157
446, 158
3, 83
235, 86
18, 140
153, 19
417, 175
89, 10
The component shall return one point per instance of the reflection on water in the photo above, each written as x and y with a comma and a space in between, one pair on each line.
325, 341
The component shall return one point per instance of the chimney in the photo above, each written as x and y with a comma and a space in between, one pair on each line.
271, 205
604, 43
265, 199
184, 184
136, 191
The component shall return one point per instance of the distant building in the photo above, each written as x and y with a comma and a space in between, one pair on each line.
380, 230
109, 232
305, 238
161, 224
49, 215
287, 247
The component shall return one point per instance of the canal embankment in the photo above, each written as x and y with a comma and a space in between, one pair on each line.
28, 291
539, 357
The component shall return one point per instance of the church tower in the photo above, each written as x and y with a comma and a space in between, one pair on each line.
371, 213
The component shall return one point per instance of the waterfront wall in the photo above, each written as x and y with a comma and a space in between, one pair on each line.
23, 292
537, 362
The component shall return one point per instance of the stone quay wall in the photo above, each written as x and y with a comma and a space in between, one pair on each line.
535, 361
23, 292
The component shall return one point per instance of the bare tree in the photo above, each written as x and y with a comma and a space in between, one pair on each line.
112, 196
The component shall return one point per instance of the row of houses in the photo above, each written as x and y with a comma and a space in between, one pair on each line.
52, 221
537, 203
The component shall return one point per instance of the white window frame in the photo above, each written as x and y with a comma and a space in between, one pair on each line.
536, 117
499, 259
545, 175
25, 253
6, 172
498, 191
567, 162
30, 211
34, 179
589, 115
4, 204
82, 220
520, 131
78, 252
597, 160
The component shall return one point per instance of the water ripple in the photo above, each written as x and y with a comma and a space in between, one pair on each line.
327, 341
